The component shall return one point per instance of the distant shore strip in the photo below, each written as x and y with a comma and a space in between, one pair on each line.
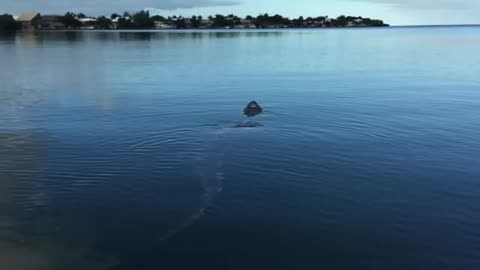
31, 21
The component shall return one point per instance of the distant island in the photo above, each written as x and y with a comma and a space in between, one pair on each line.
31, 21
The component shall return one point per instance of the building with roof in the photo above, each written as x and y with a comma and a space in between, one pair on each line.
116, 22
29, 20
163, 25
88, 23
52, 22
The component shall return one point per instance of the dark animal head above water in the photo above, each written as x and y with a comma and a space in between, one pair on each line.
252, 109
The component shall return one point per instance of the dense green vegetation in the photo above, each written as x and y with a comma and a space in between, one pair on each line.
70, 20
104, 23
266, 21
143, 20
139, 20
8, 24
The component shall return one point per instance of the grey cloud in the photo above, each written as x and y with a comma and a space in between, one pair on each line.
426, 5
105, 6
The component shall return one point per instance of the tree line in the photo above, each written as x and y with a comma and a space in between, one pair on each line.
8, 24
143, 20
263, 21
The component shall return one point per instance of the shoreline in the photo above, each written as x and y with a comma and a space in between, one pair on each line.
245, 29
236, 30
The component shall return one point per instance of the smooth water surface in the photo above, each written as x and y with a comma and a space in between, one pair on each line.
128, 150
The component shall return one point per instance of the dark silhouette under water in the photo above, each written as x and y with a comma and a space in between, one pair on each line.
252, 109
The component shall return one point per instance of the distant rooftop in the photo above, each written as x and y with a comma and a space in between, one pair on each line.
27, 16
85, 20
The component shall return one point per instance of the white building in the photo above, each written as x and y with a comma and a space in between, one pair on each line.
247, 23
88, 23
358, 21
116, 21
162, 25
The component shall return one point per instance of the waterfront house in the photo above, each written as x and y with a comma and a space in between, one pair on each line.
116, 21
52, 22
162, 25
29, 20
206, 22
88, 23
188, 23
245, 23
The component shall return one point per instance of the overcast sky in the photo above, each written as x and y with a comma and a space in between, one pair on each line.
397, 12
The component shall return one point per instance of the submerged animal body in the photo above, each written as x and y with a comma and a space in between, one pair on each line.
209, 166
252, 109
247, 124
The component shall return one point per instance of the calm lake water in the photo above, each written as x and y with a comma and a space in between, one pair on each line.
129, 151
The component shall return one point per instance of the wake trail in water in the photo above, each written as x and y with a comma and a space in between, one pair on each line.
209, 166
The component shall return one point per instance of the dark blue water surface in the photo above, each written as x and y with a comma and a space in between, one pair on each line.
129, 151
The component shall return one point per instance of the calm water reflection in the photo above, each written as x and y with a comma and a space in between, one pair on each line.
128, 150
